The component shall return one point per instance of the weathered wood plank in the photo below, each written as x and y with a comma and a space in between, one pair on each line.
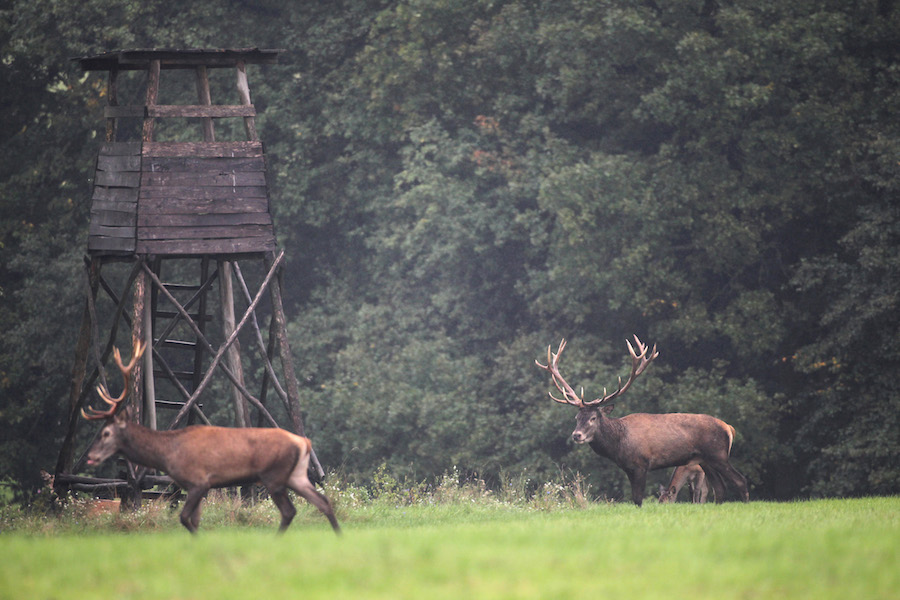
111, 232
100, 207
183, 206
120, 148
155, 164
224, 194
113, 217
179, 110
204, 179
117, 179
98, 243
204, 233
119, 163
232, 246
199, 110
123, 195
204, 149
194, 220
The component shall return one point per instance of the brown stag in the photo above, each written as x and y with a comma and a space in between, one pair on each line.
201, 457
642, 442
694, 477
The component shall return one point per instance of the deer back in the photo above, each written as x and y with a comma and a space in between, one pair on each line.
662, 440
221, 456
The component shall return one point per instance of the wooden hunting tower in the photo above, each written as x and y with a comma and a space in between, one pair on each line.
166, 206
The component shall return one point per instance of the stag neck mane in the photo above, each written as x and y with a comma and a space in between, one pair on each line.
146, 446
609, 430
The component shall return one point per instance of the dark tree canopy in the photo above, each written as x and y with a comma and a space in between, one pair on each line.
459, 183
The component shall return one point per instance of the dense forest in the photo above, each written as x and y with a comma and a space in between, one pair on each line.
459, 183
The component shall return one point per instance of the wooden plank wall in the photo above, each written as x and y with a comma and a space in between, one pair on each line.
114, 201
203, 198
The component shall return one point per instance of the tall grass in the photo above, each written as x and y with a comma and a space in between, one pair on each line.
387, 496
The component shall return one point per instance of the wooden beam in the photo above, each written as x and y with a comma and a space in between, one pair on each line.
233, 179
217, 111
264, 351
112, 94
233, 354
153, 164
205, 247
209, 134
239, 149
152, 96
189, 58
243, 87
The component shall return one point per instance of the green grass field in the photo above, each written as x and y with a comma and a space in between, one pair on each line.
847, 549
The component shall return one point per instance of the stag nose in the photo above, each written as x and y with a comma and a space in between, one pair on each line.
577, 437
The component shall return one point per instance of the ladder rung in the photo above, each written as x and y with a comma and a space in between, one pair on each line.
174, 405
188, 287
178, 344
182, 375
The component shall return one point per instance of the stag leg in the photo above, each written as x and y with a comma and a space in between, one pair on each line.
190, 513
195, 516
722, 472
317, 499
715, 480
638, 479
284, 504
737, 480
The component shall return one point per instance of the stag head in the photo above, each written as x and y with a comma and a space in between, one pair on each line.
108, 442
592, 411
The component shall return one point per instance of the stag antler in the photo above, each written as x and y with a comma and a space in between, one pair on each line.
639, 362
126, 377
569, 395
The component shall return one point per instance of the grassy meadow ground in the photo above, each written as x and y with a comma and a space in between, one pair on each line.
472, 546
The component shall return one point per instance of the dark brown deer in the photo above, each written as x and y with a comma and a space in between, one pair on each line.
694, 477
201, 457
642, 442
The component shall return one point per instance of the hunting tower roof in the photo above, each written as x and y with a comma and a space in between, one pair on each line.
172, 58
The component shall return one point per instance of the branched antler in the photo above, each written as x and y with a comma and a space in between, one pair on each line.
639, 362
569, 395
114, 403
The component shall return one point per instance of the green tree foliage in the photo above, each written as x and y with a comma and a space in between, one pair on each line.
459, 183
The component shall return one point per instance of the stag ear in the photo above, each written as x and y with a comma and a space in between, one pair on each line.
607, 409
122, 416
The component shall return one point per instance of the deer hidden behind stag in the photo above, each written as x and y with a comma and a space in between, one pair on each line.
642, 442
201, 457
694, 477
